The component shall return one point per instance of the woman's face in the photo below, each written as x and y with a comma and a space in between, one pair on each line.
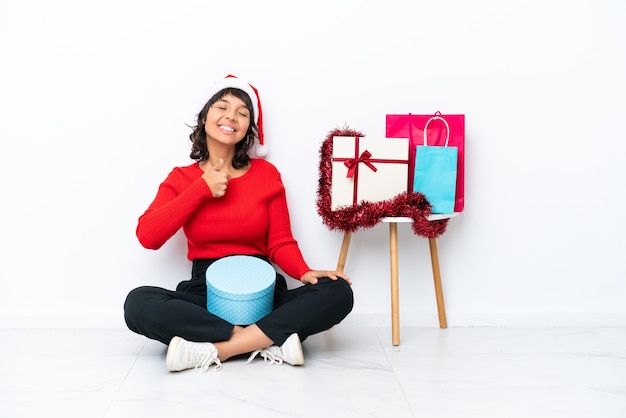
227, 120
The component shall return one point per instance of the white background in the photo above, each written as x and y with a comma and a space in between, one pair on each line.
96, 96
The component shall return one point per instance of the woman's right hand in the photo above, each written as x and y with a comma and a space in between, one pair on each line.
216, 179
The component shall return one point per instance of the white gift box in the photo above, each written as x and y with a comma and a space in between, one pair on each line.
368, 169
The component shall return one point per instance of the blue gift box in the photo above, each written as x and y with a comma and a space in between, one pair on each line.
240, 289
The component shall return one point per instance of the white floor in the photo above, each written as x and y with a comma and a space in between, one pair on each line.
348, 372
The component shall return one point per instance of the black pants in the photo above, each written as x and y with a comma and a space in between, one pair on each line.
161, 314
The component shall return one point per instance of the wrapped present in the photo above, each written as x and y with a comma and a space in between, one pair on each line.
368, 169
240, 289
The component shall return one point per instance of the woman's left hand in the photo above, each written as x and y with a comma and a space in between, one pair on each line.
311, 277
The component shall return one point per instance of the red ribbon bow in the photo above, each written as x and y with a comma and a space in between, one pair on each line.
352, 163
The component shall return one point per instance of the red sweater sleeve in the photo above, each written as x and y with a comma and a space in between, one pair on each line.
174, 203
283, 248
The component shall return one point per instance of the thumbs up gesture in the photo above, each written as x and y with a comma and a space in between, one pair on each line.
216, 179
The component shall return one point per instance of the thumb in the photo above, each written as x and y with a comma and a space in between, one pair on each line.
219, 165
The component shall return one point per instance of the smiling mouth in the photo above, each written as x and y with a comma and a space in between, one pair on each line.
226, 128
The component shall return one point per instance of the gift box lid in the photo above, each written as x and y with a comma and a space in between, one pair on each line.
240, 277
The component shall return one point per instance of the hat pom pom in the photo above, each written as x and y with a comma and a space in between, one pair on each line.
258, 150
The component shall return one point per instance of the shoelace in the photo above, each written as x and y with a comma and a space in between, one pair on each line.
271, 355
203, 359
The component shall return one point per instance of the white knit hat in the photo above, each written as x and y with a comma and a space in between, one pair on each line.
230, 81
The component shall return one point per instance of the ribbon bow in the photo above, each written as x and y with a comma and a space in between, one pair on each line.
352, 163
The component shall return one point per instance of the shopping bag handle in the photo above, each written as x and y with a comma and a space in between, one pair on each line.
426, 129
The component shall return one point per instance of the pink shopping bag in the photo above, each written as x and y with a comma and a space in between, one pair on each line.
412, 126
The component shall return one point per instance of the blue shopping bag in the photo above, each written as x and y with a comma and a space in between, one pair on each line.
436, 172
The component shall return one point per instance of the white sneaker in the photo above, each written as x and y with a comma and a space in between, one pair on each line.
290, 352
182, 355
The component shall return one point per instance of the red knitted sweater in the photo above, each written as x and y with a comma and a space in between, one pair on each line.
251, 218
